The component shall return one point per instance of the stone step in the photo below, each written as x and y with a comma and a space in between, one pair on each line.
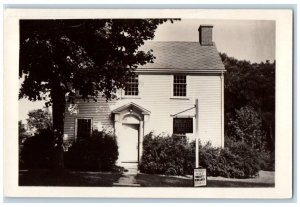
131, 168
129, 165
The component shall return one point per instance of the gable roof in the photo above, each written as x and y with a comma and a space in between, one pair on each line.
179, 57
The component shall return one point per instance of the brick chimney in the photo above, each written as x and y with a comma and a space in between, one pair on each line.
205, 35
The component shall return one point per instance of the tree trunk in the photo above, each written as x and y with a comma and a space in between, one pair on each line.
58, 111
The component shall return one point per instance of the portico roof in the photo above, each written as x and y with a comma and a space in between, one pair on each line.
131, 105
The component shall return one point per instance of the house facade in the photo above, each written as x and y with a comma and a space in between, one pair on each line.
181, 73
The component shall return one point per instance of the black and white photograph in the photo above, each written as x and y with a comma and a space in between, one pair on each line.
147, 103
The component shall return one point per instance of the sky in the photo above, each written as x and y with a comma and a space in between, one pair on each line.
251, 40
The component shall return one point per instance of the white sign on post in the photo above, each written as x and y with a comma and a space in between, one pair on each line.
200, 178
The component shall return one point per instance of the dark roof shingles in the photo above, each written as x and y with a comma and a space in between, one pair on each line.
183, 55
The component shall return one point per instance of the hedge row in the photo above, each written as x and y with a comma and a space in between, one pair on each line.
174, 155
94, 153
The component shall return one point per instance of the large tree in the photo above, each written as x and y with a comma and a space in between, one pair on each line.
92, 57
250, 85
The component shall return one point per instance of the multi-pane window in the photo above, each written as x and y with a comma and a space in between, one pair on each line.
83, 128
132, 86
179, 88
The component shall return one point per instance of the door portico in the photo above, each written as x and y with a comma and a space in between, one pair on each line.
129, 121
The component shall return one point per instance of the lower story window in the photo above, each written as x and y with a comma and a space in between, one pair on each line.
84, 128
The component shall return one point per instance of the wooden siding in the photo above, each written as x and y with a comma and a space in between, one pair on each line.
155, 95
99, 112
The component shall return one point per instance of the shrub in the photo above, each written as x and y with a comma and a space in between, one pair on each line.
229, 165
165, 155
236, 161
97, 152
37, 150
246, 160
209, 159
173, 155
267, 160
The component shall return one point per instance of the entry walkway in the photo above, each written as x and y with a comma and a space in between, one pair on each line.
128, 178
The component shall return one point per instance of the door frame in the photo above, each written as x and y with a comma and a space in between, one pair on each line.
131, 113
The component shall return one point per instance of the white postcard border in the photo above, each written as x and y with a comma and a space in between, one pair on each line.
284, 60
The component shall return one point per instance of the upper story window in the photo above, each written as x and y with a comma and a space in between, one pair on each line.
132, 86
179, 85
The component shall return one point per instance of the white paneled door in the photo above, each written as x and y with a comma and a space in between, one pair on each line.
128, 143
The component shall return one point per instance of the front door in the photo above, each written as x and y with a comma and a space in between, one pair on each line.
128, 146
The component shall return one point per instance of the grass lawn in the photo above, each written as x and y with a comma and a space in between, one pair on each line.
67, 178
265, 179
105, 179
147, 180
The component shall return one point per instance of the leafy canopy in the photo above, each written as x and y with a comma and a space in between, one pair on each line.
250, 101
88, 56
39, 119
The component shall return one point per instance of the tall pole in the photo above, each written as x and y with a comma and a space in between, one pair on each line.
197, 133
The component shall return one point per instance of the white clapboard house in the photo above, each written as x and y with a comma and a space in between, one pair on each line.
181, 73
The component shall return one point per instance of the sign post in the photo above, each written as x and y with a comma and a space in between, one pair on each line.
197, 133
199, 176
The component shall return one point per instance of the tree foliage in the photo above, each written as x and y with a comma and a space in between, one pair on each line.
93, 57
250, 97
88, 56
39, 119
246, 127
22, 129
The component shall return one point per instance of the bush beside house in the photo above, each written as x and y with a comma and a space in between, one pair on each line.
174, 155
95, 153
37, 151
99, 152
165, 155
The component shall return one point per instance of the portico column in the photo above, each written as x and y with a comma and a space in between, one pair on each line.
141, 139
117, 129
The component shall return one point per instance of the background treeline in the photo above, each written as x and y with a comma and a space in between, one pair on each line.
250, 104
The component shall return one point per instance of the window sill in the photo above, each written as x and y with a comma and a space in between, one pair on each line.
180, 98
130, 97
